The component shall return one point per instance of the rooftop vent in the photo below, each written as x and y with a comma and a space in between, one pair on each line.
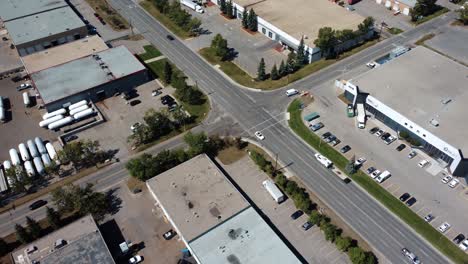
101, 63
446, 101
434, 122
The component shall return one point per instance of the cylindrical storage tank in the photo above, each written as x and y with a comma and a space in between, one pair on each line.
24, 152
46, 160
40, 145
61, 111
39, 166
51, 150
48, 121
26, 99
6, 165
84, 113
78, 109
29, 168
15, 160
76, 105
60, 123
32, 148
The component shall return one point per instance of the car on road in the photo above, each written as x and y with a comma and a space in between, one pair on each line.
453, 183
307, 225
370, 64
458, 239
370, 170
411, 256
169, 234
404, 197
291, 92
169, 37
135, 259
411, 201
37, 204
375, 174
373, 130
259, 135
401, 147
444, 227
335, 142
317, 126
23, 86
296, 214
156, 92
423, 163
412, 154
446, 179
379, 133
360, 161
345, 149
135, 126
428, 218
326, 135
464, 245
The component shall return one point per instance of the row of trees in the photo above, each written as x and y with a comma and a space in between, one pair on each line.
302, 201
463, 14
228, 9
423, 8
184, 92
180, 17
33, 230
249, 20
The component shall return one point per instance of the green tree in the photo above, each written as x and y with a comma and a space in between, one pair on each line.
463, 14
282, 69
326, 41
331, 232
245, 19
53, 218
274, 73
261, 75
167, 73
198, 143
22, 235
158, 123
291, 187
281, 180
34, 228
220, 46
4, 248
343, 243
301, 58
351, 166
357, 255
222, 6
315, 217
142, 167
423, 8
53, 168
193, 26
291, 63
252, 21
229, 9
366, 25
18, 178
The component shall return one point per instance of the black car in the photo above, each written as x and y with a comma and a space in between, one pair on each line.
404, 197
326, 135
296, 214
373, 130
135, 102
169, 234
37, 204
345, 149
307, 225
167, 100
458, 239
411, 201
401, 147
370, 170
385, 136
169, 37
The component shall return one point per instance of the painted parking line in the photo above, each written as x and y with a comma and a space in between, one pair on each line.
419, 210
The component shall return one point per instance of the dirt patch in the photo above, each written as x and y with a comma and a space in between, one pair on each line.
231, 154
133, 183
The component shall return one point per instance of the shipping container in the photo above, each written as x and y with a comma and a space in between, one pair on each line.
78, 104
78, 109
26, 99
40, 145
24, 152
29, 168
39, 166
61, 111
62, 122
83, 114
32, 148
15, 160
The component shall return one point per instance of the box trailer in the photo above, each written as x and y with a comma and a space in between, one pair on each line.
311, 116
194, 6
361, 117
323, 160
274, 191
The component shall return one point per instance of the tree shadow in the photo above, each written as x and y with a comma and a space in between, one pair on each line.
114, 202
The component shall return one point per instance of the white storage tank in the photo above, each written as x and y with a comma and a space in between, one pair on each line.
32, 148
6, 165
46, 160
15, 160
51, 150
78, 109
39, 166
40, 145
61, 111
48, 121
83, 114
78, 104
29, 168
62, 122
26, 99
24, 152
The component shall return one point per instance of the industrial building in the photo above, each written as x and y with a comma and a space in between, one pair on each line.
94, 77
45, 30
398, 6
64, 53
423, 93
303, 20
78, 242
11, 10
214, 220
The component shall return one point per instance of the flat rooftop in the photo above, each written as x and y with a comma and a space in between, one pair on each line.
12, 9
245, 238
84, 245
63, 53
85, 73
196, 196
415, 84
30, 28
304, 17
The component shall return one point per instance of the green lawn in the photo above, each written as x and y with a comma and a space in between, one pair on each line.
167, 22
441, 11
437, 239
241, 77
150, 52
424, 39
157, 67
395, 31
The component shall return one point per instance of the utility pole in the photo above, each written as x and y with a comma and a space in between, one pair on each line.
276, 163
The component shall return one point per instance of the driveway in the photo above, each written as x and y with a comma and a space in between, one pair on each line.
368, 8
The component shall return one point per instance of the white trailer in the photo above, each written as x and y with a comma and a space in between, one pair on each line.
323, 160
78, 109
83, 114
46, 160
62, 122
2, 111
50, 120
29, 168
32, 148
15, 160
60, 111
24, 152
361, 117
3, 181
40, 145
26, 99
274, 191
51, 150
78, 104
194, 6
39, 166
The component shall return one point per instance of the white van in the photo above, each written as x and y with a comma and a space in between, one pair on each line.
383, 176
423, 163
291, 92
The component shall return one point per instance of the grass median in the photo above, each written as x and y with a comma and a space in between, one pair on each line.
434, 237
150, 52
166, 21
114, 19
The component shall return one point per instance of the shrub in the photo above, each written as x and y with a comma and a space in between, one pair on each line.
404, 134
343, 243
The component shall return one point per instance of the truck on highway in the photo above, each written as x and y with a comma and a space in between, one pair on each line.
361, 117
194, 6
323, 160
274, 191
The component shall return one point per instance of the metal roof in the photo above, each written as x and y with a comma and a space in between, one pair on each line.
13, 9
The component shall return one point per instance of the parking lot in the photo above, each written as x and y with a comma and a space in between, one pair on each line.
451, 42
434, 197
311, 244
250, 48
22, 123
367, 8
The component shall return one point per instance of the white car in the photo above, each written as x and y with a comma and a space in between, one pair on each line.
375, 174
464, 245
135, 126
454, 183
259, 135
291, 92
360, 161
370, 64
446, 179
135, 259
423, 163
444, 227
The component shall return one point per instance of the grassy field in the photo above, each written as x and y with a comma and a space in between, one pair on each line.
110, 16
395, 31
231, 154
441, 11
148, 6
437, 239
241, 77
150, 52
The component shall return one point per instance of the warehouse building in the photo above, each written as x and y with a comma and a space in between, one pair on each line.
398, 6
14, 9
78, 242
45, 30
93, 77
423, 93
64, 53
303, 20
213, 219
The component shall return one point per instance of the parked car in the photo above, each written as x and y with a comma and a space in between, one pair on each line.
296, 214
444, 227
428, 218
375, 174
404, 197
373, 130
453, 183
317, 126
385, 136
464, 245
259, 135
135, 102
412, 154
379, 133
370, 170
411, 201
326, 135
423, 163
37, 204
135, 259
401, 147
446, 179
307, 225
458, 239
169, 234
330, 138
167, 99
360, 161
383, 176
135, 126
23, 86
345, 149
335, 142
169, 37
156, 92
390, 140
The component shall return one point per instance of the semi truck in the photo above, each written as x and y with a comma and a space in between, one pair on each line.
274, 191
194, 6
323, 160
361, 117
